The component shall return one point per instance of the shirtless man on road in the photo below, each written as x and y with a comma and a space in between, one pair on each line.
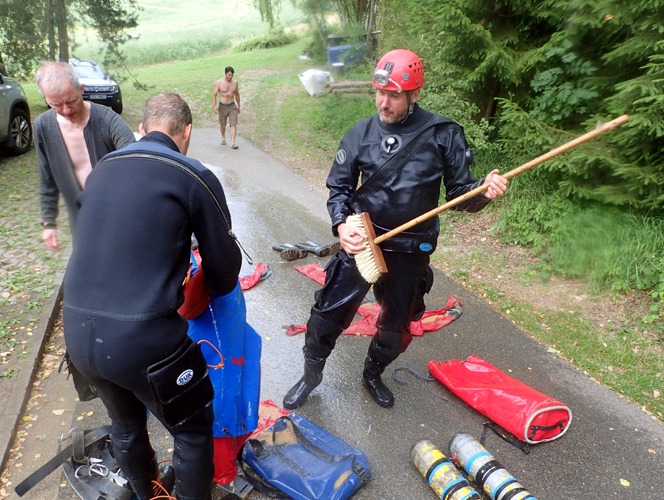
229, 104
70, 138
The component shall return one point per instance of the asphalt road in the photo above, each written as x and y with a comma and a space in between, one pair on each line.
612, 449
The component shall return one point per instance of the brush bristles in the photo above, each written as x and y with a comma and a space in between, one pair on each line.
355, 220
365, 261
366, 264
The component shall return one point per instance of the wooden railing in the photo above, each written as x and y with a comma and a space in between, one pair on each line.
348, 87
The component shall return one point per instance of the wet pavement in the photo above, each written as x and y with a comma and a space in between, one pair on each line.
612, 449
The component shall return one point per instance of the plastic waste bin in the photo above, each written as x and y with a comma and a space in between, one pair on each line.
314, 81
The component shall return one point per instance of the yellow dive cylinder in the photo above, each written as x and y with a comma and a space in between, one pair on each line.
441, 474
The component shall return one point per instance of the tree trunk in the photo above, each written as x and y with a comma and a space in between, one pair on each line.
63, 37
370, 29
51, 29
361, 10
490, 93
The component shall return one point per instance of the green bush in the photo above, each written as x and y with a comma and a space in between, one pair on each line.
533, 211
317, 50
338, 113
269, 40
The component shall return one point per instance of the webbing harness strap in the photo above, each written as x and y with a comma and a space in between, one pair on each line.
89, 437
395, 162
504, 435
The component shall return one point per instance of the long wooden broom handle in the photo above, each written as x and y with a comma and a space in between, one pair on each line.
606, 127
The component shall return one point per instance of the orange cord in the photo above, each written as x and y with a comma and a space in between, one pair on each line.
221, 357
160, 492
158, 489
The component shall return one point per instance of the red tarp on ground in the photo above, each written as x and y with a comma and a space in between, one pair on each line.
247, 282
430, 322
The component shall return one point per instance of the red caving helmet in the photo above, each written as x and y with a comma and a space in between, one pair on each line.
399, 70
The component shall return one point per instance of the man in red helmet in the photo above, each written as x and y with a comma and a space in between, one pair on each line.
398, 158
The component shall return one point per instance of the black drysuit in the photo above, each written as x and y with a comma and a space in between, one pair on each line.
409, 191
123, 287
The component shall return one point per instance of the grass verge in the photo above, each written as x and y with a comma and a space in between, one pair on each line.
620, 351
28, 270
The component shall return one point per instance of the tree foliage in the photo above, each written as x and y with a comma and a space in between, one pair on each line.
540, 73
21, 40
350, 12
352, 19
34, 30
538, 68
110, 19
269, 10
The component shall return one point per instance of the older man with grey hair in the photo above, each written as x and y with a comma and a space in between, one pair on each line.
70, 139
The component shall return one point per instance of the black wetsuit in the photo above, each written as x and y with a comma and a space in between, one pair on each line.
123, 287
411, 190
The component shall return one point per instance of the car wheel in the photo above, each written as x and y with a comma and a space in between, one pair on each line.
21, 132
117, 108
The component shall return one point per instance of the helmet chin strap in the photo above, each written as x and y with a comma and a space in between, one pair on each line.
411, 106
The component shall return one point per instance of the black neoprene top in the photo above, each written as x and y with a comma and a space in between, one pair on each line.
132, 246
414, 189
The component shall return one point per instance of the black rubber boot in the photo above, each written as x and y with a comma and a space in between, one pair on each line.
313, 375
157, 486
371, 377
319, 250
290, 252
166, 479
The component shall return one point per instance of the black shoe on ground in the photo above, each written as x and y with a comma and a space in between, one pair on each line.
380, 393
284, 246
265, 274
293, 254
238, 488
162, 487
299, 393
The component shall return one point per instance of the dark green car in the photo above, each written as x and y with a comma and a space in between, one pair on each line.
98, 86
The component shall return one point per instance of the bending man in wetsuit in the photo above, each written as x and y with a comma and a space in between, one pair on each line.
123, 288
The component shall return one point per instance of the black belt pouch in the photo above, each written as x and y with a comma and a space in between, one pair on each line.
180, 384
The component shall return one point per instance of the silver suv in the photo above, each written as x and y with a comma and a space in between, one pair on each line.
15, 126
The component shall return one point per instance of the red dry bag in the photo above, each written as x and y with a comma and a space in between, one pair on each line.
519, 409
